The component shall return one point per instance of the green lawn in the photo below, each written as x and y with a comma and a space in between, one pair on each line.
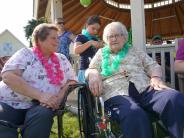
70, 124
71, 127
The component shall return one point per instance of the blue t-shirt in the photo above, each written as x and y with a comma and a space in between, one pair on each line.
65, 43
87, 54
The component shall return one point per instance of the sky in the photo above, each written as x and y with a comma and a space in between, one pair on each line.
14, 15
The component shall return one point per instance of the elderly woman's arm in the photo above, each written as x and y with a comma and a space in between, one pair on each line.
94, 81
14, 80
154, 71
156, 81
179, 62
179, 66
93, 74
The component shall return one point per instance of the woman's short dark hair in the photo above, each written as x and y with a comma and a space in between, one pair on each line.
93, 19
41, 32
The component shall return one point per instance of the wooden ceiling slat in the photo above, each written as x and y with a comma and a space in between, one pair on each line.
78, 19
42, 8
74, 9
87, 12
164, 22
148, 23
178, 15
145, 1
181, 11
68, 4
104, 20
128, 1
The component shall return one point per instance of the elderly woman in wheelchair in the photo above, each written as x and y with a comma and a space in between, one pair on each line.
130, 83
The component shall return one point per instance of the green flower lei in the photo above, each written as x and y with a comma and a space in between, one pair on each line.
108, 69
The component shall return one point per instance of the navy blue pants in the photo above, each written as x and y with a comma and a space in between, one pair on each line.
36, 122
131, 112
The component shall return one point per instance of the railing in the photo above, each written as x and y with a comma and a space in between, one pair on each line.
164, 55
75, 62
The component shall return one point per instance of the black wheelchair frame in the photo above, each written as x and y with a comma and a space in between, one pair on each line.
94, 122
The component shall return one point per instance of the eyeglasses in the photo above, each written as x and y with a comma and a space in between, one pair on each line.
116, 36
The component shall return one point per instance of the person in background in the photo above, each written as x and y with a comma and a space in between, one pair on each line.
130, 83
87, 43
34, 83
179, 61
66, 38
157, 40
179, 64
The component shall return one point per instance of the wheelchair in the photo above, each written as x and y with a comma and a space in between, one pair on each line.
95, 122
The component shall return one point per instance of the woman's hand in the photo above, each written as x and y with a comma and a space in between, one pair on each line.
101, 44
95, 43
95, 82
50, 100
54, 101
158, 84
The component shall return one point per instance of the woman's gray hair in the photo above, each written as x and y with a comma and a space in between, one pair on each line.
119, 26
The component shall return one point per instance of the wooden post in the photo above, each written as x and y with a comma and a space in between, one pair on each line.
56, 9
138, 24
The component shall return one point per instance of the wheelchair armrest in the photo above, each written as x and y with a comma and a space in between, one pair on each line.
8, 124
69, 90
74, 86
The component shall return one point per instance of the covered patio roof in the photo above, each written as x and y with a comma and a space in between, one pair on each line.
164, 17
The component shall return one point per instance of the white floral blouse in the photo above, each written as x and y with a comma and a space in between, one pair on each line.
34, 74
135, 67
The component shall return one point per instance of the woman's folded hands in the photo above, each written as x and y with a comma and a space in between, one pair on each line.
50, 100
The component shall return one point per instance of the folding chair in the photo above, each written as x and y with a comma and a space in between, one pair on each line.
59, 113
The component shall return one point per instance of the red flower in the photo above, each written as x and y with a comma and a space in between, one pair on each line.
102, 125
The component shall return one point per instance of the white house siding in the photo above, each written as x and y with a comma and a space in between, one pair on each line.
9, 44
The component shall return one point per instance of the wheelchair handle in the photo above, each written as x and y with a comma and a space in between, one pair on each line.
71, 87
102, 105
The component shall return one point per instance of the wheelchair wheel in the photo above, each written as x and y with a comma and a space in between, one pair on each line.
90, 113
85, 113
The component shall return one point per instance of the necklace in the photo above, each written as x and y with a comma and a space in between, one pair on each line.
108, 69
54, 73
88, 35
